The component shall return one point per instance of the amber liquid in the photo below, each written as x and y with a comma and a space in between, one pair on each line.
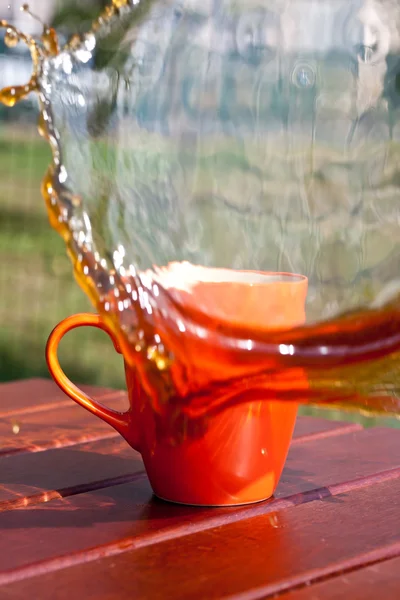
351, 362
197, 376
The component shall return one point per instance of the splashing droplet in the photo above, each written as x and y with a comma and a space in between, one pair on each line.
11, 38
9, 97
50, 41
120, 3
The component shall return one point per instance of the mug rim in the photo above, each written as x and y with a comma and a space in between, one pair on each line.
183, 276
262, 277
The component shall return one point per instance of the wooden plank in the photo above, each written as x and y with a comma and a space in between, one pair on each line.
251, 558
381, 580
119, 518
70, 424
27, 478
312, 465
45, 418
33, 395
35, 421
310, 427
322, 462
128, 512
31, 419
54, 428
37, 395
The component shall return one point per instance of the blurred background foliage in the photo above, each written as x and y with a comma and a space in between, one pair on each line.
72, 16
37, 288
36, 282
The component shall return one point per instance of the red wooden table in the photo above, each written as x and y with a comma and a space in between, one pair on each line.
78, 520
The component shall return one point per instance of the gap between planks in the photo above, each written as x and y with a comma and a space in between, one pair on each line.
134, 543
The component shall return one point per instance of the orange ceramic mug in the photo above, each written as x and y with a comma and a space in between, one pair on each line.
241, 455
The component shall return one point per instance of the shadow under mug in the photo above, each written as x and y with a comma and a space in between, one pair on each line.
240, 456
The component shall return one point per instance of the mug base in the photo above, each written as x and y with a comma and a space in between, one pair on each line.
210, 505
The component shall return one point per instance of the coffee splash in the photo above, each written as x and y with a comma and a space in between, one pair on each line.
351, 361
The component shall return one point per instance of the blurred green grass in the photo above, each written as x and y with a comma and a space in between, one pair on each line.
37, 288
36, 282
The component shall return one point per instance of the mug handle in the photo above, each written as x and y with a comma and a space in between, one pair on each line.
120, 421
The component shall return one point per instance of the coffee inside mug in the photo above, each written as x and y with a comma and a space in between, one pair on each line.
253, 299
